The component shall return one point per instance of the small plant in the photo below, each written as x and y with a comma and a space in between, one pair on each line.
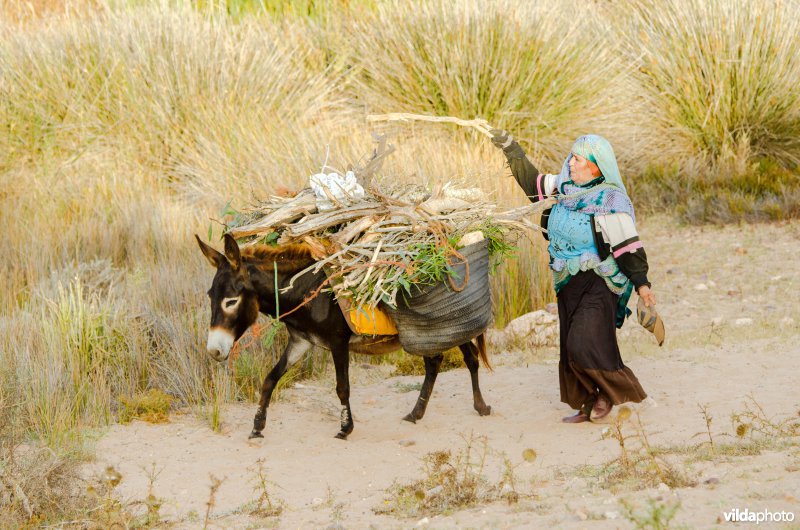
755, 420
508, 483
264, 505
151, 406
152, 503
639, 465
212, 497
220, 392
452, 481
657, 515
708, 419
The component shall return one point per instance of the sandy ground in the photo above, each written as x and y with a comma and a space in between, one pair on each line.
728, 297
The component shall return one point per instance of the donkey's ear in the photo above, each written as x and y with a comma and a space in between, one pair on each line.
232, 252
214, 257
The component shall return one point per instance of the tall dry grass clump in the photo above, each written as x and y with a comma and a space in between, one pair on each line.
719, 78
213, 105
529, 67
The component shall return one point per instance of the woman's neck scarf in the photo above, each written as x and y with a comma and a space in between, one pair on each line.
605, 194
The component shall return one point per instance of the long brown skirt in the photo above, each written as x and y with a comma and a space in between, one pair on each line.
590, 362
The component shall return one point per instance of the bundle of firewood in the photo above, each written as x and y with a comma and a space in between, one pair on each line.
387, 238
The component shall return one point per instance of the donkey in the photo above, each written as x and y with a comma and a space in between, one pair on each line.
244, 285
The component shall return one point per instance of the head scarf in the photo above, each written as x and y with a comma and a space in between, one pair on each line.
601, 196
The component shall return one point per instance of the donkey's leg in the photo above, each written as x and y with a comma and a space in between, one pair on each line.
470, 352
294, 351
432, 365
341, 361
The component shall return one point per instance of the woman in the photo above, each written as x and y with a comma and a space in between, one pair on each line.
597, 260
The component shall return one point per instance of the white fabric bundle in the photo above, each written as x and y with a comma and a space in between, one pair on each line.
334, 187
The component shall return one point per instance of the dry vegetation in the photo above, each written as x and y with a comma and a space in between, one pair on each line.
126, 126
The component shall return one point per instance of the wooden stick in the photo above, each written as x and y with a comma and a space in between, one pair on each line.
478, 124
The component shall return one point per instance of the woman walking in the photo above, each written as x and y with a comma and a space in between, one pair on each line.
597, 261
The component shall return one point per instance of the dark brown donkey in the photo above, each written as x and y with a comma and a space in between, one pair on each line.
244, 285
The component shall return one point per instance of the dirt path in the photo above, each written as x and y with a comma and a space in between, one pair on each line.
732, 332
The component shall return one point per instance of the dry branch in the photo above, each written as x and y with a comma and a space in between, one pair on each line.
478, 124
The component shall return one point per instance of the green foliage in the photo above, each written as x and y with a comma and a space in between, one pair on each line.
431, 265
500, 249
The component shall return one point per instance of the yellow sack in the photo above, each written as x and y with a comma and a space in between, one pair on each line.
371, 321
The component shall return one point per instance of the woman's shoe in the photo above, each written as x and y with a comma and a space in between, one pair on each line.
602, 408
578, 417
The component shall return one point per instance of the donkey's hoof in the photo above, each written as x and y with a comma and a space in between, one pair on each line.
410, 417
341, 436
255, 434
484, 411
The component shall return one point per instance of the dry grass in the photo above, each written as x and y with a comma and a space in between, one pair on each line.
450, 482
719, 78
639, 465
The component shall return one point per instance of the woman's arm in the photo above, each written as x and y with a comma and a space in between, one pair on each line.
535, 185
619, 232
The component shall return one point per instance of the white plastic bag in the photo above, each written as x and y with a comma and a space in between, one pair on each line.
344, 190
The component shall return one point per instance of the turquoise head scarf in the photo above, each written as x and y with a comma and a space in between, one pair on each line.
601, 196
597, 149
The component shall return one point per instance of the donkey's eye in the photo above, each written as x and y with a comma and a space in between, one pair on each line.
230, 303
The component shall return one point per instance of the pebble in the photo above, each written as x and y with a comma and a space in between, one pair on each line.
434, 491
716, 321
743, 321
711, 480
406, 443
581, 515
787, 321
335, 526
611, 515
662, 487
701, 287
423, 521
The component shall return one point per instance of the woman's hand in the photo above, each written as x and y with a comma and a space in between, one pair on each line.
647, 296
501, 138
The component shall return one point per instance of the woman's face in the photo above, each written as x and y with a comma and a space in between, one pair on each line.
582, 170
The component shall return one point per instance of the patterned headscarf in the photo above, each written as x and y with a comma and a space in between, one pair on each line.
607, 195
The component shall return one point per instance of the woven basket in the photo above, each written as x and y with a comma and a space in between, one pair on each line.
436, 317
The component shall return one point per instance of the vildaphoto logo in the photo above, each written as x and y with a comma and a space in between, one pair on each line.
764, 516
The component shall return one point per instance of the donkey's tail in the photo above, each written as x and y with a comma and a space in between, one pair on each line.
480, 341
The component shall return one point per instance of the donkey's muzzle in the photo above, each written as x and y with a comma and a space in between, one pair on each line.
220, 342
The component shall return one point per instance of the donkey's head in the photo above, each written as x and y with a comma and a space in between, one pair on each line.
234, 303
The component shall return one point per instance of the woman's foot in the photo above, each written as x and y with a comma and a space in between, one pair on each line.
602, 408
578, 417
